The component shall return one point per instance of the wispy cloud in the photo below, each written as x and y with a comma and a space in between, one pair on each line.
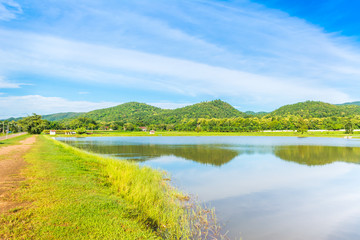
9, 9
251, 55
122, 67
6, 84
20, 106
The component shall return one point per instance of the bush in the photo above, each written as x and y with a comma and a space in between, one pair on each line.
81, 130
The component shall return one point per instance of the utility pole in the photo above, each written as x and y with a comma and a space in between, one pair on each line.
7, 131
3, 127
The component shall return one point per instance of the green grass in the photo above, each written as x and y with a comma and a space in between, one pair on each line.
183, 133
71, 194
13, 141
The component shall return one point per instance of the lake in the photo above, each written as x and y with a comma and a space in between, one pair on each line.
261, 187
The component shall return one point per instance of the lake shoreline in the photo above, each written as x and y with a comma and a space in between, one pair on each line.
252, 182
314, 133
73, 193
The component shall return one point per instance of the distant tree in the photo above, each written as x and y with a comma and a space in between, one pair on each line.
302, 126
113, 126
92, 126
52, 124
33, 124
349, 128
129, 127
13, 126
82, 122
81, 130
170, 127
302, 129
198, 128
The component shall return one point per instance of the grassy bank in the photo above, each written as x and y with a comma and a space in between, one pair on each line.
183, 133
71, 194
12, 141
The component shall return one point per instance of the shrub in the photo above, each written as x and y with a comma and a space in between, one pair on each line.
81, 130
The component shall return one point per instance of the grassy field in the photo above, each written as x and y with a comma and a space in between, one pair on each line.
71, 194
177, 133
12, 141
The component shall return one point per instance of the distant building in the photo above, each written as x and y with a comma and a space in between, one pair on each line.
152, 132
52, 132
144, 129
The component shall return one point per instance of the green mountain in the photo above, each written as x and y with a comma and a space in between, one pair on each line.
128, 112
141, 113
316, 109
211, 109
61, 116
144, 114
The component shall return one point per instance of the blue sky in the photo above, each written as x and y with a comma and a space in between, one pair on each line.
60, 56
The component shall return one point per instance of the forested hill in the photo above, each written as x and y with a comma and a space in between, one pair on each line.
141, 113
61, 116
127, 112
314, 109
211, 109
144, 114
208, 110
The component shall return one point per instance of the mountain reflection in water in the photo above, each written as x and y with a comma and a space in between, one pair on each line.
317, 155
206, 154
219, 154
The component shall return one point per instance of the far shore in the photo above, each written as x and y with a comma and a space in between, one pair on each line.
275, 133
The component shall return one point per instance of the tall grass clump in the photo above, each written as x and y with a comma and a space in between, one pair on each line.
154, 201
158, 205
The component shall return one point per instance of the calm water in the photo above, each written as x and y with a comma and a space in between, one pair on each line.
262, 187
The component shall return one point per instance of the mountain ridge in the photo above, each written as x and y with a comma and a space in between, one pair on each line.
143, 113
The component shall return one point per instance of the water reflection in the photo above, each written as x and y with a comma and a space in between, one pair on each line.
317, 155
219, 154
253, 182
206, 154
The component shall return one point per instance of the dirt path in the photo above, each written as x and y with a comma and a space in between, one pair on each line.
11, 163
12, 135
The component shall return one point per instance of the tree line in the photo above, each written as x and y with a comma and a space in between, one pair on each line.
35, 124
213, 116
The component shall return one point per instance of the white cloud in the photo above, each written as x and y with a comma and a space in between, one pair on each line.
9, 9
250, 54
5, 84
122, 67
20, 106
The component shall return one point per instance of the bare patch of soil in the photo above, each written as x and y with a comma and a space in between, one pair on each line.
11, 164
